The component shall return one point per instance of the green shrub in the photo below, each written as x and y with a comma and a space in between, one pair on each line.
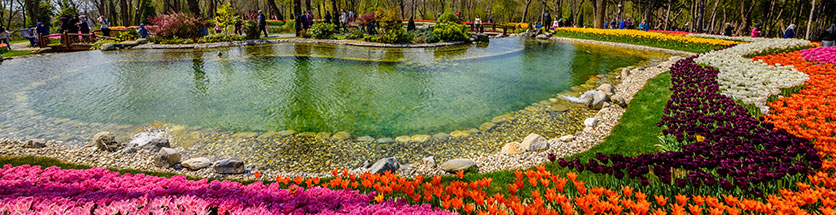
432, 38
388, 19
354, 35
251, 30
221, 38
126, 36
395, 36
448, 17
154, 39
449, 32
98, 44
371, 38
188, 41
323, 31
174, 40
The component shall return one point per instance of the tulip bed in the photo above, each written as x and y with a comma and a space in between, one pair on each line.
653, 39
820, 54
721, 145
33, 190
752, 82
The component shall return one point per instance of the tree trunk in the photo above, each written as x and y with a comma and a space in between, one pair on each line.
297, 11
668, 15
33, 8
525, 10
274, 9
713, 16
400, 4
138, 16
809, 22
648, 12
308, 5
194, 7
335, 13
600, 9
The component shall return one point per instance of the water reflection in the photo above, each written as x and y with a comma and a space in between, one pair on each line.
311, 87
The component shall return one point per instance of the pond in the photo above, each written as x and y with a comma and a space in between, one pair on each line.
378, 92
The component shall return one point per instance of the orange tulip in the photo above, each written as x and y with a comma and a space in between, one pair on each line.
681, 199
257, 174
661, 200
695, 209
627, 191
572, 176
460, 173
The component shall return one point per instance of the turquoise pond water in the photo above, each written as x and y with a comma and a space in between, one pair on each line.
305, 87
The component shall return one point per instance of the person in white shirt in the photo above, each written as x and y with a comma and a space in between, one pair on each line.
105, 24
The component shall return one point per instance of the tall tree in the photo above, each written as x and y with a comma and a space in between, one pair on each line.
600, 7
125, 12
32, 8
810, 22
297, 12
274, 10
194, 7
525, 11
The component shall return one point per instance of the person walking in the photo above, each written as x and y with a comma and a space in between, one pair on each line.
790, 32
262, 23
344, 20
547, 17
478, 24
105, 26
828, 37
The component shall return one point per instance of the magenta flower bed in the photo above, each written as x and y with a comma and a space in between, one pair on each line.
33, 190
820, 54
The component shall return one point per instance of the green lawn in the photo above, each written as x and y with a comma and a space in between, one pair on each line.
636, 133
16, 53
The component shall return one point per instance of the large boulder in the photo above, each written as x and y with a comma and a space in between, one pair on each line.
421, 138
229, 166
429, 161
104, 141
167, 157
197, 163
625, 72
342, 135
590, 122
129, 44
532, 140
156, 144
108, 47
481, 37
619, 100
35, 143
598, 100
567, 138
511, 148
442, 136
142, 41
386, 164
457, 164
607, 89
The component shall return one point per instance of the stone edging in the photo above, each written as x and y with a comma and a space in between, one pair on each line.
624, 45
294, 40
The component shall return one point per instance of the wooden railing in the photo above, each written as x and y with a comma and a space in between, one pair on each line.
69, 41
